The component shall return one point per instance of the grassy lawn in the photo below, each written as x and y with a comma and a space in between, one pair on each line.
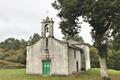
19, 74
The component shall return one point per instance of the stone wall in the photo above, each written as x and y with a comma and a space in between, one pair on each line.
63, 60
59, 51
87, 57
57, 54
34, 57
74, 56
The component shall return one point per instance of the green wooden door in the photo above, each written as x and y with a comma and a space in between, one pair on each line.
46, 68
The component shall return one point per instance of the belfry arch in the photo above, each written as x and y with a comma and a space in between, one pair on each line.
47, 28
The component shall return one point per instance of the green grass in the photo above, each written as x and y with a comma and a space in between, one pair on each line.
19, 74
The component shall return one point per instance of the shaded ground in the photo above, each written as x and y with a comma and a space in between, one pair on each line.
19, 74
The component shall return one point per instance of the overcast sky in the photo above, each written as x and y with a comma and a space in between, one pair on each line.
21, 18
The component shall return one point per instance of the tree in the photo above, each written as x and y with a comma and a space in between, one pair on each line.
23, 43
102, 15
10, 43
113, 60
94, 57
75, 37
114, 52
33, 39
116, 40
22, 57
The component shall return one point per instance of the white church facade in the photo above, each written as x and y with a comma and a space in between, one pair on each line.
50, 56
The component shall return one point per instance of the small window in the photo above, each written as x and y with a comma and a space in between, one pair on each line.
74, 54
81, 51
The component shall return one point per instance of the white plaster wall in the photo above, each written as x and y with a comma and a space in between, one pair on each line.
78, 58
28, 61
58, 55
72, 61
87, 57
34, 52
62, 62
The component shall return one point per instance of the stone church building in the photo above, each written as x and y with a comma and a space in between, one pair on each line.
50, 56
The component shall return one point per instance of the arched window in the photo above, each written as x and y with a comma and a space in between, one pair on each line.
47, 30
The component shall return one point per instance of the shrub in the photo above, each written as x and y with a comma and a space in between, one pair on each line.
94, 58
10, 65
113, 60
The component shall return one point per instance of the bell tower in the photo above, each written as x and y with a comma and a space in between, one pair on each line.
47, 27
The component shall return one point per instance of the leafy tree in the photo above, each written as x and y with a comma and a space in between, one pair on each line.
75, 37
10, 43
116, 41
113, 61
112, 58
33, 39
22, 57
94, 57
23, 43
14, 50
102, 15
114, 52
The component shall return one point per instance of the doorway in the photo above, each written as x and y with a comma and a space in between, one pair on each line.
46, 67
77, 67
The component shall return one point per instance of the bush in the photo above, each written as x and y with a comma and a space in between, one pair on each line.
22, 57
10, 65
18, 56
12, 58
113, 60
3, 55
94, 58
